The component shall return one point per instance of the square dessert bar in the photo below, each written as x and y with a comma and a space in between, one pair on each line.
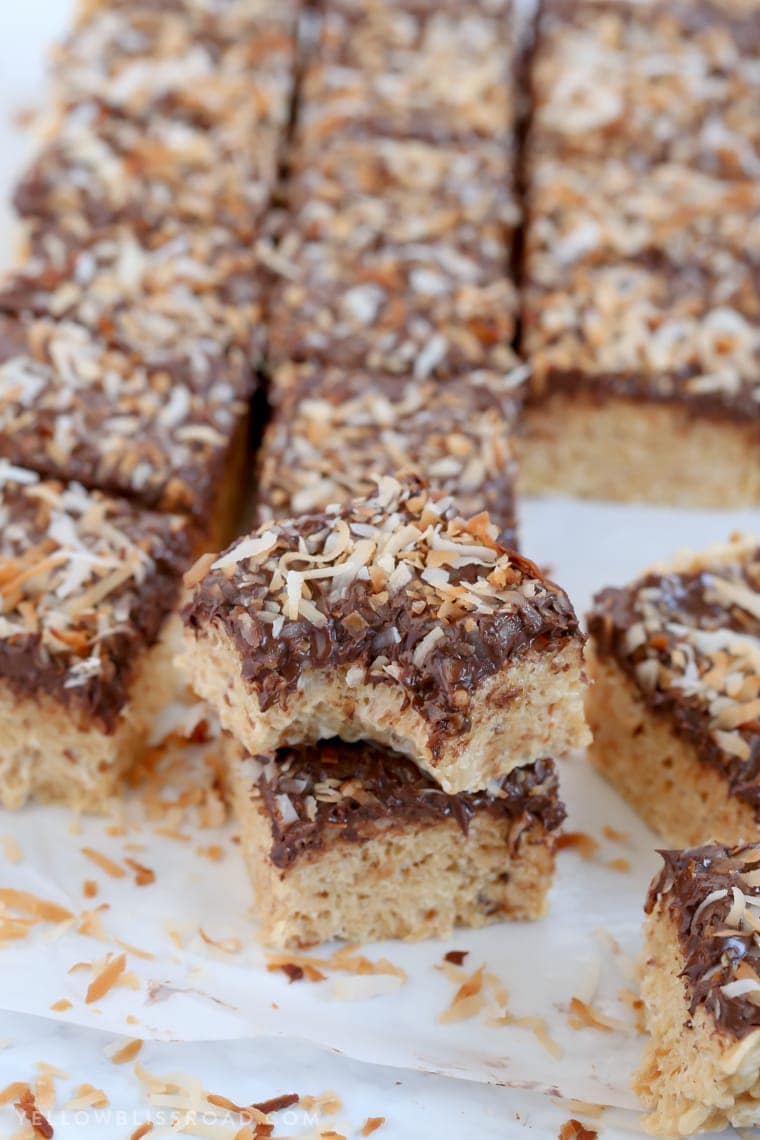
361, 191
353, 841
163, 116
641, 308
388, 69
425, 308
169, 434
675, 704
87, 584
649, 83
333, 430
700, 981
163, 301
392, 619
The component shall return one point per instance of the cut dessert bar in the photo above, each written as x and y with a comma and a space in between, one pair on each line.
164, 302
641, 311
332, 431
700, 984
363, 191
418, 71
392, 619
425, 308
650, 83
170, 433
353, 841
87, 584
675, 704
165, 114
395, 256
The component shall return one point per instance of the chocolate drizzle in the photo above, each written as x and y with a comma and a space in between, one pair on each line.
344, 791
718, 938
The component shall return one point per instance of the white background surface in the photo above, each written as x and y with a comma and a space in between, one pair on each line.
217, 1019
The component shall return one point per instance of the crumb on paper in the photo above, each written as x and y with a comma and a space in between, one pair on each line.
27, 1106
121, 1052
573, 1130
579, 841
371, 1124
456, 957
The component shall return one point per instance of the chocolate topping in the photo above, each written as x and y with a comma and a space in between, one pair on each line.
333, 790
712, 894
690, 640
398, 588
86, 583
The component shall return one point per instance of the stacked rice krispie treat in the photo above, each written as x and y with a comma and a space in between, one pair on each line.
394, 680
130, 338
641, 304
392, 302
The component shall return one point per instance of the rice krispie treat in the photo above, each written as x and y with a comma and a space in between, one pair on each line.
165, 114
700, 981
641, 309
333, 430
650, 83
87, 584
675, 704
352, 841
419, 71
164, 302
423, 308
392, 619
170, 433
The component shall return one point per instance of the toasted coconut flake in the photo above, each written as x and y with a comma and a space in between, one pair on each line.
27, 1106
573, 1130
87, 1096
371, 1124
40, 909
121, 1053
100, 860
106, 979
579, 841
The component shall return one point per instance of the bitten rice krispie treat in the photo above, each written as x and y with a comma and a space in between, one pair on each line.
332, 431
352, 841
700, 981
675, 705
392, 619
641, 309
87, 584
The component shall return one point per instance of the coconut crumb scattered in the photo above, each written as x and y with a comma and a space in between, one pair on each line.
579, 841
371, 1124
27, 1106
121, 1053
12, 849
574, 1130
106, 978
104, 863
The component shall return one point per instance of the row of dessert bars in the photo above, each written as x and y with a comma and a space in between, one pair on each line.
376, 644
130, 338
641, 304
393, 313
